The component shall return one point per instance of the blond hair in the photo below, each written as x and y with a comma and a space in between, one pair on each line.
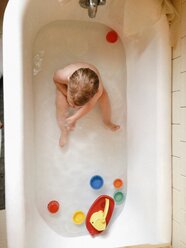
83, 85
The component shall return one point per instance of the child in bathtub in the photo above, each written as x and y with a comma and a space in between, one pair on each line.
79, 86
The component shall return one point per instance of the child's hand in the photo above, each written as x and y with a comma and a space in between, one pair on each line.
70, 123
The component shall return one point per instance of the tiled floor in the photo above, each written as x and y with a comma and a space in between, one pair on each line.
3, 4
3, 242
2, 171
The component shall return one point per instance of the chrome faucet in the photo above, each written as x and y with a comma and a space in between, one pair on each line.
91, 5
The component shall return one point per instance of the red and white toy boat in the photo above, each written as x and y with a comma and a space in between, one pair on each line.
99, 214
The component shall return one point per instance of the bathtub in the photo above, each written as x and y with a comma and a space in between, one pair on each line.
144, 142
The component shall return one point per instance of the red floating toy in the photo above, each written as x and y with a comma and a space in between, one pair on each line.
53, 207
99, 214
112, 36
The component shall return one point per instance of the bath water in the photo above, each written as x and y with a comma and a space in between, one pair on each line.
63, 174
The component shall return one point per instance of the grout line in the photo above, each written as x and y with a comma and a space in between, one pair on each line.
175, 124
173, 91
176, 221
183, 141
178, 190
183, 243
183, 175
174, 156
182, 107
179, 56
184, 36
182, 71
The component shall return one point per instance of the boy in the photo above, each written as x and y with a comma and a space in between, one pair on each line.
79, 86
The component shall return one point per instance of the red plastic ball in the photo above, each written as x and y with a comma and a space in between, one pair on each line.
112, 36
53, 207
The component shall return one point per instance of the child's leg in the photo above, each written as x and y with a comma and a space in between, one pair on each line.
61, 115
106, 111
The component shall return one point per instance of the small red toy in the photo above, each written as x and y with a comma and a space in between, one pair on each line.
53, 207
112, 36
99, 214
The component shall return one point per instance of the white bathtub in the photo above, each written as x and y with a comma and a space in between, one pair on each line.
146, 214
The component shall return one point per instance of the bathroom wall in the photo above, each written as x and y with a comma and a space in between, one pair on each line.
179, 127
3, 242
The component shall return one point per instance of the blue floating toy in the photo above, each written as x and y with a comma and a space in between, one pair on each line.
96, 182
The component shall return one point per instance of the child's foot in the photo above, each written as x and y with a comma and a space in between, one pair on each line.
63, 138
112, 126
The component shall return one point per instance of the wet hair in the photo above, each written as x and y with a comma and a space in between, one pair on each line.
83, 85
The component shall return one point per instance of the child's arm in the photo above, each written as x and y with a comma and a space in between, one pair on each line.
62, 87
71, 121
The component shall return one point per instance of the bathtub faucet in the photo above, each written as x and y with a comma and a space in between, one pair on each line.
91, 5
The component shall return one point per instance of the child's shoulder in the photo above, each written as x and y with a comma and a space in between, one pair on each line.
64, 73
61, 75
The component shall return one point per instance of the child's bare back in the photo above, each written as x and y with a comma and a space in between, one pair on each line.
79, 86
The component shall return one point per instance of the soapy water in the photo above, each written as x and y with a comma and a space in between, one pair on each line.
37, 62
64, 174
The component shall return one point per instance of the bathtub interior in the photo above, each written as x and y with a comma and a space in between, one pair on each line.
148, 126
64, 174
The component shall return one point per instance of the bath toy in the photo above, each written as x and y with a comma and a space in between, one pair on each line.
99, 214
112, 36
118, 197
78, 217
98, 219
53, 207
118, 183
96, 182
